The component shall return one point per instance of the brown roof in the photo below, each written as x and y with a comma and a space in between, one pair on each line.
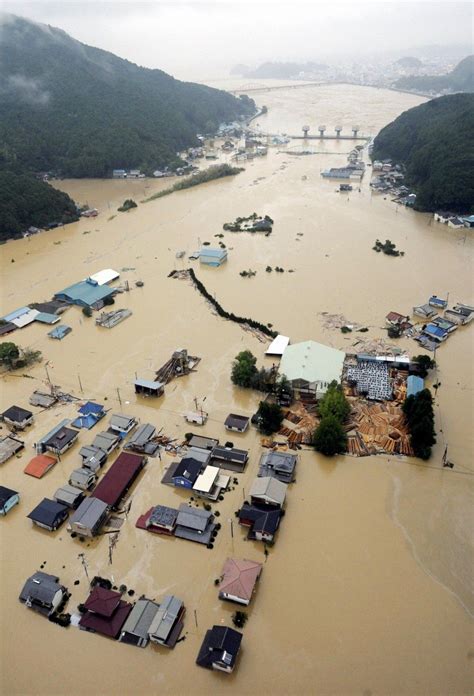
395, 316
107, 625
102, 601
40, 465
119, 477
239, 577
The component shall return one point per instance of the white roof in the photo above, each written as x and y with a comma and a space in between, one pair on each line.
207, 479
278, 345
25, 318
312, 362
270, 489
107, 275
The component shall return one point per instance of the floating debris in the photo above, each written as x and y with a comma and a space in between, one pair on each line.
110, 319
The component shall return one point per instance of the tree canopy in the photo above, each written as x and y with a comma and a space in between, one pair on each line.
270, 417
334, 403
9, 353
418, 410
329, 437
244, 369
434, 142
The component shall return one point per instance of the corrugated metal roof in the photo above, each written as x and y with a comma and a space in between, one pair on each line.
165, 617
269, 488
278, 345
105, 276
312, 362
140, 618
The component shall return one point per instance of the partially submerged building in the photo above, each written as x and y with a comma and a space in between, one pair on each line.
9, 446
236, 423
147, 387
40, 465
238, 580
136, 627
194, 524
162, 520
212, 257
90, 414
141, 440
58, 440
86, 293
167, 623
106, 441
219, 649
8, 499
269, 491
186, 472
43, 593
310, 367
229, 458
105, 612
17, 417
49, 514
280, 465
70, 496
119, 478
122, 424
262, 521
89, 517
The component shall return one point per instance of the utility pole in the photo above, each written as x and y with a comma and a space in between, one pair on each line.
196, 618
82, 556
119, 398
80, 384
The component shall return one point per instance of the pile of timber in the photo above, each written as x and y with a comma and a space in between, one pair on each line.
178, 365
375, 428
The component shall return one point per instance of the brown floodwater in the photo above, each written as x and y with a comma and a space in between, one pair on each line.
368, 589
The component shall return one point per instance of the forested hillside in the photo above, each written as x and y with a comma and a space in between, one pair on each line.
26, 201
80, 111
435, 141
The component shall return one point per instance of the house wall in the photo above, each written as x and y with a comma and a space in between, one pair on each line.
182, 482
233, 598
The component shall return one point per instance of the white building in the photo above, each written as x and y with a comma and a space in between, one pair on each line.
311, 367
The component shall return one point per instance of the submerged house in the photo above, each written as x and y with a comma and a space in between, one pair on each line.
425, 311
141, 440
17, 417
187, 472
147, 387
93, 457
119, 478
230, 458
238, 580
40, 465
167, 623
212, 257
219, 649
9, 446
8, 499
69, 495
236, 423
106, 441
43, 593
162, 520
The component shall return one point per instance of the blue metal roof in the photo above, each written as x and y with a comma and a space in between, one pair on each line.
46, 318
414, 385
91, 407
86, 292
434, 330
60, 331
215, 253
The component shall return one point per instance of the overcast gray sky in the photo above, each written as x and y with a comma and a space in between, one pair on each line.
198, 39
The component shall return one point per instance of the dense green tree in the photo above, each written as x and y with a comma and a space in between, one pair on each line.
425, 363
329, 437
434, 142
418, 410
244, 369
334, 403
270, 417
9, 353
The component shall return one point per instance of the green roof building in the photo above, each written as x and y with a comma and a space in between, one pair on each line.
311, 367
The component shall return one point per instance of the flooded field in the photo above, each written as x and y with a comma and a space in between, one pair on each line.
368, 589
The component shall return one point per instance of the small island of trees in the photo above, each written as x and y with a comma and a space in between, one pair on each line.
330, 437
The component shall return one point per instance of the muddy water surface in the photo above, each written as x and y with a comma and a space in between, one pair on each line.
369, 587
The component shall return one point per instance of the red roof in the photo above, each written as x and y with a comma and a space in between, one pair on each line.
119, 477
239, 577
102, 601
395, 316
40, 465
107, 626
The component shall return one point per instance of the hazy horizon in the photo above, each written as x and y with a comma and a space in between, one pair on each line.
203, 40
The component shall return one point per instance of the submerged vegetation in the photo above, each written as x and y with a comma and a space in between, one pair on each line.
251, 323
252, 223
245, 373
128, 204
217, 171
12, 357
269, 417
388, 248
